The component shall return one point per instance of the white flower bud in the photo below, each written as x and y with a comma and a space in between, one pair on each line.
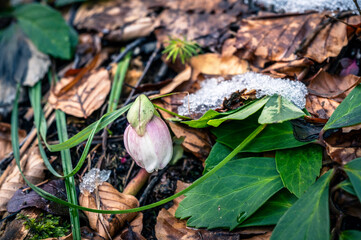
154, 149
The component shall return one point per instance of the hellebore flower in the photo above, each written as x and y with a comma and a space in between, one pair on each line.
147, 138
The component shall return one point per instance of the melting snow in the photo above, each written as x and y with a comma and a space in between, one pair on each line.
306, 5
214, 90
93, 179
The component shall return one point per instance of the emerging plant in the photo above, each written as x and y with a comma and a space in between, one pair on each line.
47, 226
183, 49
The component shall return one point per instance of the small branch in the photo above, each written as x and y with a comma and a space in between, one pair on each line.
151, 185
357, 6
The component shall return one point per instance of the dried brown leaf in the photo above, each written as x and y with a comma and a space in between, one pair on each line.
133, 231
326, 85
320, 107
33, 167
119, 20
325, 38
168, 227
182, 77
110, 199
85, 97
344, 147
5, 139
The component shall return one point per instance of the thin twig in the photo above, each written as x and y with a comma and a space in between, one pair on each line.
149, 63
151, 185
129, 47
357, 6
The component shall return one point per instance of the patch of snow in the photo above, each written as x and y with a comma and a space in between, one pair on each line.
301, 6
93, 179
214, 90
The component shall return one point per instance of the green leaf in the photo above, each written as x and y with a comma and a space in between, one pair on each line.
232, 194
347, 186
202, 121
272, 210
244, 113
46, 28
279, 109
275, 136
309, 217
60, 3
353, 170
299, 167
348, 113
350, 235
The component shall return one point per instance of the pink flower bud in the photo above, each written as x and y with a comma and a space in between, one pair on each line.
154, 149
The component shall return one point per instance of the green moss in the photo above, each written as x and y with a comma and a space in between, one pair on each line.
45, 226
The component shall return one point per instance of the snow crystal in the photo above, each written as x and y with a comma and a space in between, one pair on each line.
93, 179
306, 5
214, 90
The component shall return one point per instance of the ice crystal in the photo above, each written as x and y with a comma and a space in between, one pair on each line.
306, 5
214, 90
93, 179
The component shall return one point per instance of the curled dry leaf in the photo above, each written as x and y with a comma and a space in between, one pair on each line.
83, 98
5, 139
133, 231
33, 167
168, 227
313, 35
109, 199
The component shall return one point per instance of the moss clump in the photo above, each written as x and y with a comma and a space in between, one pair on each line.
44, 226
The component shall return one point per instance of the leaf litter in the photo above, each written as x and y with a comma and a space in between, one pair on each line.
314, 56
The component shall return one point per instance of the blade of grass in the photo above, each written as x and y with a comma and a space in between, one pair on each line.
118, 82
67, 168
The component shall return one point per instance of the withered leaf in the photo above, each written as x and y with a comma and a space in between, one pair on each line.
320, 107
133, 231
119, 20
34, 169
5, 139
256, 37
83, 98
332, 86
109, 199
29, 198
343, 147
168, 227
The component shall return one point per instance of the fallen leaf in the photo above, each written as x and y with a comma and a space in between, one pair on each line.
292, 69
34, 169
133, 231
215, 64
336, 87
21, 62
182, 77
168, 227
5, 139
85, 97
325, 38
117, 20
320, 107
344, 147
109, 199
29, 198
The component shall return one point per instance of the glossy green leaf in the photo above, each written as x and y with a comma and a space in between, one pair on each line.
347, 186
348, 113
353, 170
232, 194
350, 235
309, 217
272, 210
243, 113
279, 109
46, 28
202, 121
275, 136
299, 167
